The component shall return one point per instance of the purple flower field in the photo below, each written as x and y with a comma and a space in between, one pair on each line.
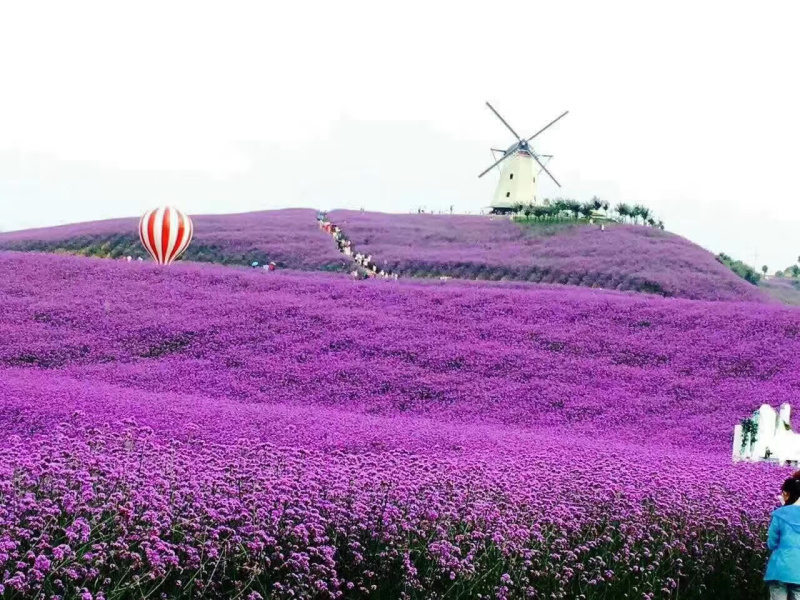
623, 257
202, 432
784, 289
288, 237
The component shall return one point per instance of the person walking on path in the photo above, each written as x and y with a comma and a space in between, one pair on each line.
783, 540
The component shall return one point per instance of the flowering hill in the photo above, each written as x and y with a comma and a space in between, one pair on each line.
470, 247
199, 431
785, 289
288, 237
623, 257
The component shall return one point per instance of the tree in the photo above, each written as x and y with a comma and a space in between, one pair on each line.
623, 210
574, 207
765, 268
651, 221
549, 212
587, 208
643, 212
560, 205
597, 204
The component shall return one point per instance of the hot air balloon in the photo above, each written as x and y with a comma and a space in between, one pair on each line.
165, 233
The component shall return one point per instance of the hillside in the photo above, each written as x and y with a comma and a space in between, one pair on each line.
784, 289
584, 359
289, 237
623, 257
376, 438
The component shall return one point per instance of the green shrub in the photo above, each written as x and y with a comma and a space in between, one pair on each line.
744, 271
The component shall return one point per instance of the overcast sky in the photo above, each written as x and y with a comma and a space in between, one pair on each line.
692, 108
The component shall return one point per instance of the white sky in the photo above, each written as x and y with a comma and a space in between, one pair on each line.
692, 108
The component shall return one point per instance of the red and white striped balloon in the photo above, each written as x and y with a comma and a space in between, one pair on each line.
165, 233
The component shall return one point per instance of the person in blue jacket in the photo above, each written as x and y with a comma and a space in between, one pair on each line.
783, 539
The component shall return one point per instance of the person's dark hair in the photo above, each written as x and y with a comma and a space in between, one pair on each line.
792, 487
796, 475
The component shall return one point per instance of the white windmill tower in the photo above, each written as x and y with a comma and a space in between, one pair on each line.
517, 183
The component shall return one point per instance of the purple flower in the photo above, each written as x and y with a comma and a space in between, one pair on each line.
376, 437
42, 563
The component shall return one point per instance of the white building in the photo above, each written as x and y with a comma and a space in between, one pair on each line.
517, 183
521, 165
767, 435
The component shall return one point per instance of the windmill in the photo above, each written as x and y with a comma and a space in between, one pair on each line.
517, 183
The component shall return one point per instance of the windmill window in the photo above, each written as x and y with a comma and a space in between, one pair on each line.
508, 194
534, 180
511, 176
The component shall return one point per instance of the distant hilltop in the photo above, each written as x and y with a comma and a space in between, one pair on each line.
608, 255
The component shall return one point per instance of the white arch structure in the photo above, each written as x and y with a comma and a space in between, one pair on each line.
767, 436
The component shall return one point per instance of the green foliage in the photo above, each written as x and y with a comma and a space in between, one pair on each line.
642, 211
744, 271
561, 210
623, 210
749, 431
574, 207
792, 271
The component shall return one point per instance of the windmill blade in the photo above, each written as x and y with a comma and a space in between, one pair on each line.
553, 122
502, 158
536, 158
496, 150
497, 114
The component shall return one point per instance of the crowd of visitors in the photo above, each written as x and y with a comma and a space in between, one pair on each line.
366, 267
